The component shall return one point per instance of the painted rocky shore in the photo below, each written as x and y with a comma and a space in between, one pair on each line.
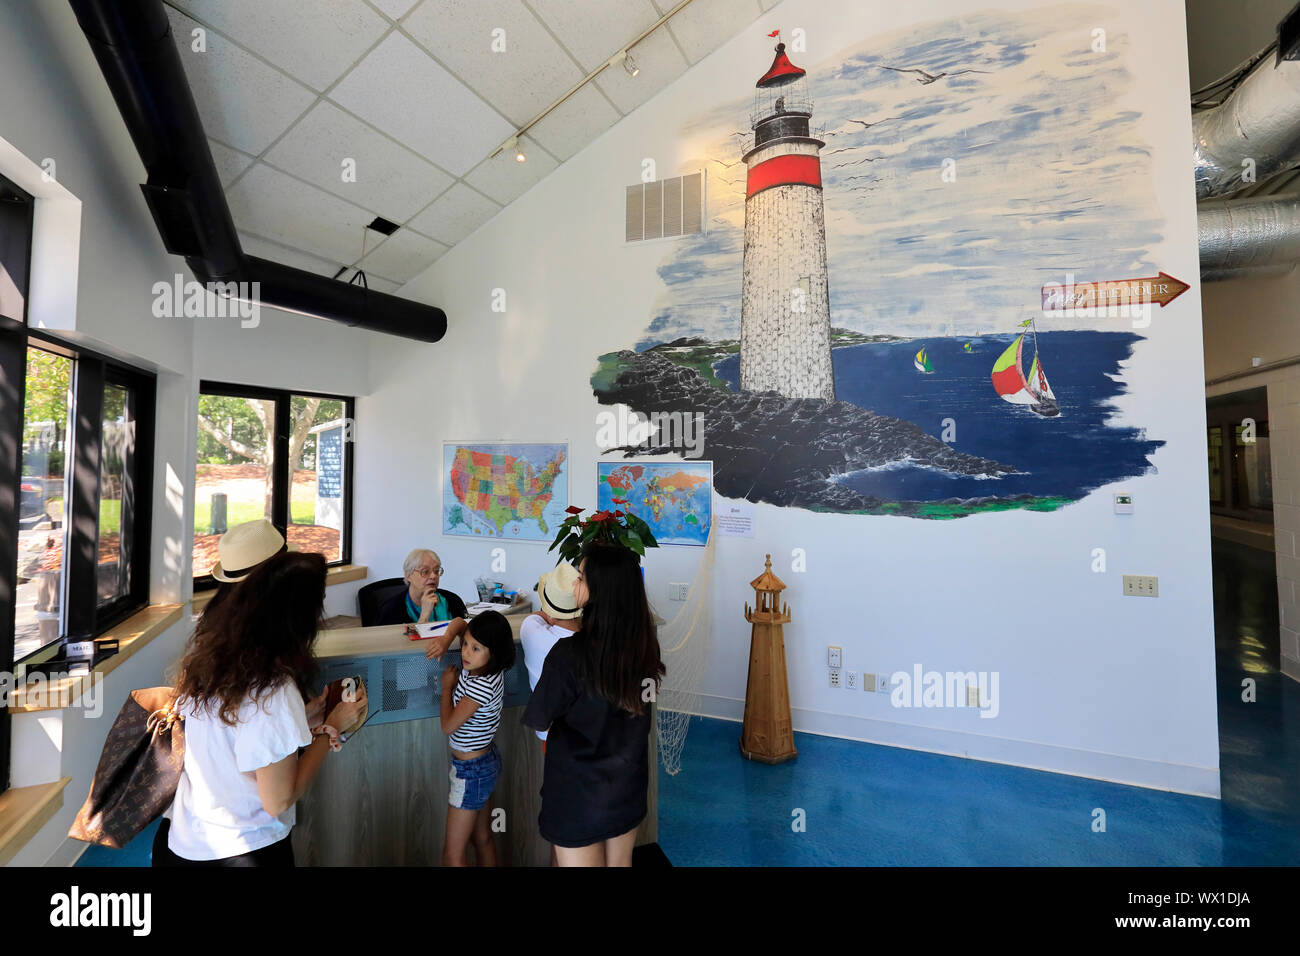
784, 451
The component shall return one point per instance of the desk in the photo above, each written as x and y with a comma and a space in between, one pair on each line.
382, 800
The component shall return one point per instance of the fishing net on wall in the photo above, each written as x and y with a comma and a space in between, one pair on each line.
685, 643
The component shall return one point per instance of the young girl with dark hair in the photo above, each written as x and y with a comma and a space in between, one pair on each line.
242, 688
472, 697
593, 697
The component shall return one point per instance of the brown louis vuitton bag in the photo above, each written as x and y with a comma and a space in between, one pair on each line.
138, 771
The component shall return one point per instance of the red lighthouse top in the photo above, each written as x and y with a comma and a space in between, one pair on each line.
782, 71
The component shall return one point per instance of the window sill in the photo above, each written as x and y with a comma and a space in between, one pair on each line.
23, 811
132, 635
336, 575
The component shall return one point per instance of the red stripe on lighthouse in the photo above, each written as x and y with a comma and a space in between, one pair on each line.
792, 169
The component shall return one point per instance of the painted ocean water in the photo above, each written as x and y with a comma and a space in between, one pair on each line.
1066, 456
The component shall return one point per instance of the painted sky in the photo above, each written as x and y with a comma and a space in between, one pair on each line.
1050, 172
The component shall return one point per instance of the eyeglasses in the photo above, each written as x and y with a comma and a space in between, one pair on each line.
425, 572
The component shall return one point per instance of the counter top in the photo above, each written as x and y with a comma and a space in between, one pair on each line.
385, 640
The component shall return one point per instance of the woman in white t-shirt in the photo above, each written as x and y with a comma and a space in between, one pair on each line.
242, 688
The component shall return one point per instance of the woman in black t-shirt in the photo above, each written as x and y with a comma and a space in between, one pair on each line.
594, 697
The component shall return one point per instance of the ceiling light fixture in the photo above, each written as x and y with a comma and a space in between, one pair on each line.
629, 64
622, 56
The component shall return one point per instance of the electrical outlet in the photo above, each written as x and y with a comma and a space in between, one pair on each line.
834, 656
835, 677
972, 696
1141, 585
869, 682
851, 680
677, 591
882, 683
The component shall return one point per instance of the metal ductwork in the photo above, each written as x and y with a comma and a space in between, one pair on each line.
1256, 124
1248, 237
132, 40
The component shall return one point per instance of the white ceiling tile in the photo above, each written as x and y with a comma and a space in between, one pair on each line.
241, 100
455, 214
402, 256
530, 74
389, 179
266, 249
283, 209
575, 123
312, 40
401, 90
504, 179
594, 30
659, 61
704, 25
229, 162
394, 9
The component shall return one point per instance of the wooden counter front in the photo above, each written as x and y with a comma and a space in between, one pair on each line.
382, 799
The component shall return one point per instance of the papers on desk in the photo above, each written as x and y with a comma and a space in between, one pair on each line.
430, 628
476, 609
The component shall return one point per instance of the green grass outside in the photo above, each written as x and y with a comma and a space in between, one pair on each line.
237, 512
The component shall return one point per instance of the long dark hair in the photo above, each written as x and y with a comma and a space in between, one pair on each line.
256, 638
616, 649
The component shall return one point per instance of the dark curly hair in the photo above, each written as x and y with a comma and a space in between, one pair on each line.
258, 636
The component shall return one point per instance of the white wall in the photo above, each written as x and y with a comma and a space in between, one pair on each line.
1090, 682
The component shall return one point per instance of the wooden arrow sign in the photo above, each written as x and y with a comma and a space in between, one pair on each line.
1162, 288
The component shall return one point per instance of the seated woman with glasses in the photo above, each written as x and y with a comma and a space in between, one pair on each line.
422, 600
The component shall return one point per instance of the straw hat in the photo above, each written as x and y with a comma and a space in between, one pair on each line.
244, 547
555, 592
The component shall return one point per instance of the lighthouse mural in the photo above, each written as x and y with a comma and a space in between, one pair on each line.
785, 318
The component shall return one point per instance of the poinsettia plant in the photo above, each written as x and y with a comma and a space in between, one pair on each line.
610, 527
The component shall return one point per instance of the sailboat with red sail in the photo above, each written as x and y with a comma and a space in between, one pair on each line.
1010, 381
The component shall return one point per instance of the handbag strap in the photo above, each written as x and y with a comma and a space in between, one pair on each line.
161, 720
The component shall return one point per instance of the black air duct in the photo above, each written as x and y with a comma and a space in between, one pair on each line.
132, 40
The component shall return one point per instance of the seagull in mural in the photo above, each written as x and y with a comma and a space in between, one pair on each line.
866, 125
925, 79
726, 165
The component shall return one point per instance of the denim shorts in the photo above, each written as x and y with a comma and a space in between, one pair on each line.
472, 781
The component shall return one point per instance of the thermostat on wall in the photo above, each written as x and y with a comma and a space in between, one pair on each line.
1123, 503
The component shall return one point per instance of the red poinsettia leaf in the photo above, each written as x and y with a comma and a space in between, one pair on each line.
574, 510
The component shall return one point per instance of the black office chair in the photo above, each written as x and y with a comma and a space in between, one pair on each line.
372, 597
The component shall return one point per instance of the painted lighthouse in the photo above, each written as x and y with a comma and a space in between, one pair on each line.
785, 316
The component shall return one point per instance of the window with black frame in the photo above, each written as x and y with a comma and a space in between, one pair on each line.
282, 456
76, 432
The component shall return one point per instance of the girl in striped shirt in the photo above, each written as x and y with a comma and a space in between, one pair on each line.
471, 711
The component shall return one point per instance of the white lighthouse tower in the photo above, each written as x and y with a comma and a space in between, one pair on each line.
785, 316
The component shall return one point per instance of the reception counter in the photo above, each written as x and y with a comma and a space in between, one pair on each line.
382, 799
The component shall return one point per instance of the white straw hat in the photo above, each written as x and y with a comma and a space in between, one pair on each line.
244, 547
555, 592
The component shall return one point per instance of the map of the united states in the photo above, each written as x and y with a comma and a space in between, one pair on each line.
504, 490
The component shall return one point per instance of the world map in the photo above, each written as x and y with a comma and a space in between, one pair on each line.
515, 491
674, 498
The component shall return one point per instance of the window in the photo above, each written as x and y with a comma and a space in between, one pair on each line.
76, 432
277, 455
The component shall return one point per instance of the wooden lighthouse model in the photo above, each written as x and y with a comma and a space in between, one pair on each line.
767, 735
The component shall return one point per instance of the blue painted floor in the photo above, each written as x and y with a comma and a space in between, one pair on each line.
870, 805
881, 806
